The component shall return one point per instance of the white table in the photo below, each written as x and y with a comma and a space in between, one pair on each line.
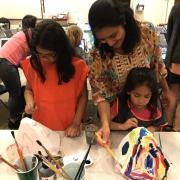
102, 167
171, 148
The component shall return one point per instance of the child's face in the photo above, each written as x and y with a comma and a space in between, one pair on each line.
140, 96
46, 55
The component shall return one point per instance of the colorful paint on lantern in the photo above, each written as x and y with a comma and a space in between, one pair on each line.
141, 157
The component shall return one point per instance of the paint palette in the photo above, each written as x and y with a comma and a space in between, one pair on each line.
78, 159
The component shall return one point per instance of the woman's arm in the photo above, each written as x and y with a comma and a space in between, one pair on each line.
157, 62
29, 98
81, 107
104, 114
74, 129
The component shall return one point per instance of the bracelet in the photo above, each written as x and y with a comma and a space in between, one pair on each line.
164, 74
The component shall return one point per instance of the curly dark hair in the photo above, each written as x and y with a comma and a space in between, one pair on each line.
111, 13
48, 34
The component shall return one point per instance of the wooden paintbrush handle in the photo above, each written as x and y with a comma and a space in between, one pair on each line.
9, 164
21, 158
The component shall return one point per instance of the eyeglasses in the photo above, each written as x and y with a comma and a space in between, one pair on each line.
46, 55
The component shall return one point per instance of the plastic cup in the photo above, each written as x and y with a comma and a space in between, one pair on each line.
72, 168
32, 168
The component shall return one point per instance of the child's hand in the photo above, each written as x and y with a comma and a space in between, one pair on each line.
130, 123
73, 130
152, 129
30, 107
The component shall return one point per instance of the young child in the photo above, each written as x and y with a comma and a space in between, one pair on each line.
75, 36
55, 94
137, 103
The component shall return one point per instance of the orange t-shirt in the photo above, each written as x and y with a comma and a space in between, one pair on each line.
56, 104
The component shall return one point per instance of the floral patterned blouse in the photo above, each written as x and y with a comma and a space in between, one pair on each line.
107, 76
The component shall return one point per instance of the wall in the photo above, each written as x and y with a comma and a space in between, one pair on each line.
16, 9
155, 11
78, 9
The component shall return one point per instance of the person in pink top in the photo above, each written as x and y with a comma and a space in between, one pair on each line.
11, 54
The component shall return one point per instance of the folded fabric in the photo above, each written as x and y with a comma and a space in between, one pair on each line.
141, 157
30, 131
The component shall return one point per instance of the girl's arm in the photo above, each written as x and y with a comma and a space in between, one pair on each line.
129, 123
74, 129
30, 104
153, 128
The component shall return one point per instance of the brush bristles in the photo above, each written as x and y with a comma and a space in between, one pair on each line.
12, 132
39, 142
39, 152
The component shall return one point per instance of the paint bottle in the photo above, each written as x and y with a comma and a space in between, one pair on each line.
45, 173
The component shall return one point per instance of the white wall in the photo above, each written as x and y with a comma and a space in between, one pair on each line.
155, 11
78, 9
17, 9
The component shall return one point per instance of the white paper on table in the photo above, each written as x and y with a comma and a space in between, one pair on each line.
30, 131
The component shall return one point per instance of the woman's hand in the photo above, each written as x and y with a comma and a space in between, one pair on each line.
73, 130
104, 132
130, 123
30, 107
103, 136
167, 98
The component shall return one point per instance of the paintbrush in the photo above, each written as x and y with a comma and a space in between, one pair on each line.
160, 144
33, 162
50, 165
54, 160
20, 153
81, 167
110, 151
15, 167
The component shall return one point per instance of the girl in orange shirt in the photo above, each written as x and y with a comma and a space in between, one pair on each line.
56, 93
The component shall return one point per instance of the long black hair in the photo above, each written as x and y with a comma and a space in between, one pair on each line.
49, 35
111, 13
28, 22
142, 76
